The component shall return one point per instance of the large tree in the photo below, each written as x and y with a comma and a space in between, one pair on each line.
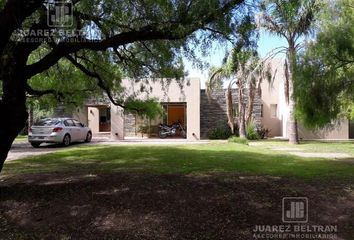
325, 73
291, 20
141, 37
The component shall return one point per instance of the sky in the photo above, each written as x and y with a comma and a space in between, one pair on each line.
265, 44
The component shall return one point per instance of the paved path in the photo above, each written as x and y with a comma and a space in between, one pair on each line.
301, 153
24, 149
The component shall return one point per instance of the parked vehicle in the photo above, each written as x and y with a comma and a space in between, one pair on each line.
173, 130
58, 130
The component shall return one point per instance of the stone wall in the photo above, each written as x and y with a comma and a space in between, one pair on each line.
130, 125
213, 110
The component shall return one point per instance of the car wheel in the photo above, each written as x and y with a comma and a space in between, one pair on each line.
35, 144
88, 137
66, 140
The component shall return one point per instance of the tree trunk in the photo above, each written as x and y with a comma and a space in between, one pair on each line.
241, 118
229, 109
292, 127
12, 122
251, 96
30, 117
12, 107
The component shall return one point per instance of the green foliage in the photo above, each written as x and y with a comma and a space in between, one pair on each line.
71, 86
143, 129
290, 19
220, 132
2, 4
149, 108
238, 63
324, 83
195, 26
251, 131
262, 132
42, 108
239, 140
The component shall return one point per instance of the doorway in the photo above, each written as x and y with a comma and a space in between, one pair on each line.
175, 112
99, 118
351, 129
104, 119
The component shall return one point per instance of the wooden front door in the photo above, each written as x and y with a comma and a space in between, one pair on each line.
176, 113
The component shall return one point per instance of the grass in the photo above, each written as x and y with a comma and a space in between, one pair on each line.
186, 159
238, 140
313, 146
198, 191
21, 138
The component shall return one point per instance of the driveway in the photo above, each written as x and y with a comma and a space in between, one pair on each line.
24, 149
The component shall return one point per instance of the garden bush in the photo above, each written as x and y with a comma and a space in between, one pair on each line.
262, 132
251, 131
220, 132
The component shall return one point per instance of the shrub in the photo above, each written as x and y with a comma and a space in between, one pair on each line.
238, 140
251, 131
220, 132
262, 132
143, 129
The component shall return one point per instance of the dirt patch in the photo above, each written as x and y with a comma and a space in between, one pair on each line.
140, 206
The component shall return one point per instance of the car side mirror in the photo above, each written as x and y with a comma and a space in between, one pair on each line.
82, 125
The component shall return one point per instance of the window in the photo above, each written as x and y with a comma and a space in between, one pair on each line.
69, 123
273, 110
47, 122
77, 123
261, 110
105, 115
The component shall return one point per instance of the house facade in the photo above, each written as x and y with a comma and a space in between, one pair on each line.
198, 113
181, 101
275, 112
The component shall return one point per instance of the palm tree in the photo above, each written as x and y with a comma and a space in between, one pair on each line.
290, 19
244, 69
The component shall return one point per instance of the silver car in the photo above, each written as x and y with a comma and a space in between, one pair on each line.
58, 130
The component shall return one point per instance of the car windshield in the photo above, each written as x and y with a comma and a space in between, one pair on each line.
47, 122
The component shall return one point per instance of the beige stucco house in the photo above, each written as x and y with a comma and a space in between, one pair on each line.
187, 103
181, 101
275, 112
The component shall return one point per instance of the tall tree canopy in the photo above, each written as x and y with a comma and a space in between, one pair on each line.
291, 20
142, 38
324, 84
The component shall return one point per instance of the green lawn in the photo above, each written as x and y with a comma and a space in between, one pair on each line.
21, 138
313, 146
198, 159
202, 191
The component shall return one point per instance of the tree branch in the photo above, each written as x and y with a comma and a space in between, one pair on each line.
65, 48
100, 81
156, 31
39, 93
